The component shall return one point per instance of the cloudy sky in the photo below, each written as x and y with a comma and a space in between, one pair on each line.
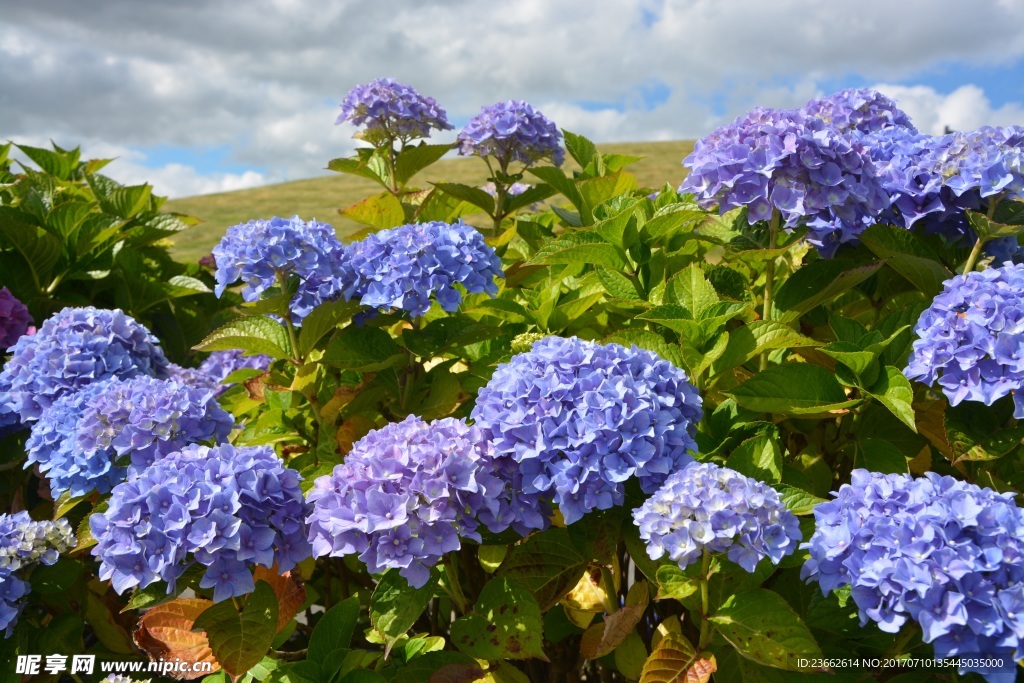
201, 97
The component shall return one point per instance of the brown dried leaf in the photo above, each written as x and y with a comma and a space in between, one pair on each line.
165, 632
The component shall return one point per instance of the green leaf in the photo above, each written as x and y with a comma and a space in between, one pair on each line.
894, 391
580, 148
763, 627
674, 583
253, 334
580, 247
414, 159
691, 289
817, 283
676, 661
863, 364
395, 606
752, 339
127, 201
620, 227
617, 285
798, 501
53, 162
557, 179
908, 256
240, 639
40, 250
651, 341
793, 389
668, 220
547, 564
322, 320
759, 457
978, 432
1009, 212
467, 193
532, 195
359, 167
505, 624
879, 455
672, 316
989, 229
366, 349
334, 630
382, 210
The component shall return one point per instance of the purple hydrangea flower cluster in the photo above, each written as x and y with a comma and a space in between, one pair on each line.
80, 441
971, 338
402, 268
707, 507
191, 377
579, 419
783, 160
392, 110
75, 347
405, 495
941, 552
263, 253
861, 110
511, 131
223, 507
23, 544
219, 365
14, 319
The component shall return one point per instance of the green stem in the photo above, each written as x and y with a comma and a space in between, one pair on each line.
451, 573
905, 636
976, 251
292, 336
705, 624
611, 606
769, 275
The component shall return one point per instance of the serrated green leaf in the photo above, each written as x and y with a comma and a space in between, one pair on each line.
580, 247
321, 320
505, 624
651, 341
988, 229
395, 606
334, 630
467, 193
617, 285
798, 501
894, 391
359, 167
415, 158
254, 335
879, 455
793, 389
239, 640
759, 457
750, 340
763, 627
383, 210
547, 564
818, 282
366, 349
690, 289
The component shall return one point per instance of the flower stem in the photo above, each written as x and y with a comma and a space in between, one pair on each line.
451, 573
973, 258
705, 624
769, 275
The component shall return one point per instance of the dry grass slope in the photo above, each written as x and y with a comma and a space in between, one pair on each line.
322, 197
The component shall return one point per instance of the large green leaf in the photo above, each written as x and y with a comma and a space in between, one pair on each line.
366, 349
322, 320
793, 389
747, 341
908, 256
547, 564
894, 391
415, 158
467, 193
675, 660
690, 289
580, 247
359, 167
253, 334
54, 162
40, 250
383, 210
818, 282
240, 639
395, 606
505, 624
759, 457
763, 627
334, 630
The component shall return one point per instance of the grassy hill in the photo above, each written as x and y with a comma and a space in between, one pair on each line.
321, 197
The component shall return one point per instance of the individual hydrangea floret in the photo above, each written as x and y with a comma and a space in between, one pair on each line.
783, 160
511, 131
219, 365
93, 439
392, 110
402, 268
14, 319
513, 190
943, 553
226, 508
578, 419
971, 338
266, 253
76, 347
707, 507
23, 544
858, 110
405, 495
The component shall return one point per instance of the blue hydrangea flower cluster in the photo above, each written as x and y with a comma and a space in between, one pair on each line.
191, 377
707, 507
80, 442
222, 507
405, 495
392, 110
784, 160
971, 338
23, 544
941, 552
858, 110
402, 268
219, 365
14, 319
262, 253
579, 419
75, 347
1004, 249
511, 131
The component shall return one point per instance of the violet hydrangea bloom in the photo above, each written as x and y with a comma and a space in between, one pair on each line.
14, 319
941, 552
24, 543
578, 419
402, 268
226, 508
784, 160
392, 110
858, 110
75, 347
707, 507
511, 131
971, 338
80, 441
219, 365
405, 495
262, 253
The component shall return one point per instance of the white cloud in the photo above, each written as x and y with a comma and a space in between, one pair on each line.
966, 108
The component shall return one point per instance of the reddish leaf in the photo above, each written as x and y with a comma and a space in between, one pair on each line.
165, 632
